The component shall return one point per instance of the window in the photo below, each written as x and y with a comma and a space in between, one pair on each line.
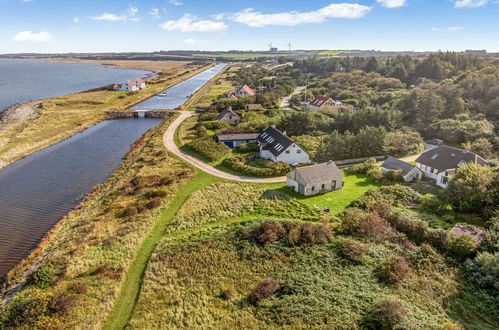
323, 186
445, 180
298, 151
333, 185
313, 188
287, 151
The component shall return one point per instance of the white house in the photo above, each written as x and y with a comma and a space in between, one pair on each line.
442, 162
129, 86
241, 91
278, 147
410, 173
315, 179
141, 84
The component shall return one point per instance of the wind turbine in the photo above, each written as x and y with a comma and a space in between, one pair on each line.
289, 46
270, 47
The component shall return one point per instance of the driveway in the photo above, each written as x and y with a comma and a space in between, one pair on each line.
169, 141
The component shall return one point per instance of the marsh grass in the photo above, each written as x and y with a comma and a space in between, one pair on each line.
92, 248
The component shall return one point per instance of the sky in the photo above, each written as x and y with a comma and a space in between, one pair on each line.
55, 26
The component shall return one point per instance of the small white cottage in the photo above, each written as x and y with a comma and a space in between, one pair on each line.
315, 179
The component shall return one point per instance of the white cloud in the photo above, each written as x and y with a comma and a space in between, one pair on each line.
449, 29
155, 13
219, 17
41, 36
132, 11
192, 41
392, 3
190, 23
109, 17
253, 18
176, 2
134, 19
470, 3
76, 19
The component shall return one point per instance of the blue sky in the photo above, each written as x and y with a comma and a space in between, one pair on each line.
150, 25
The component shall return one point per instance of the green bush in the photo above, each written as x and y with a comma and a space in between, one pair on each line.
273, 169
208, 148
461, 246
364, 167
42, 277
353, 250
247, 147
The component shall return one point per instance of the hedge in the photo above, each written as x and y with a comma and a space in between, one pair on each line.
207, 147
273, 169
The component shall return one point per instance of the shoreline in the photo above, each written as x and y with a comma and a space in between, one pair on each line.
6, 292
13, 111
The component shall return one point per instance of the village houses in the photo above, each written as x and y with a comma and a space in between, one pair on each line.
315, 179
441, 163
278, 147
228, 116
241, 91
325, 103
410, 173
130, 86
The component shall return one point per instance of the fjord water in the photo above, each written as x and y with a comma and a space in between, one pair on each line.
178, 94
37, 191
25, 80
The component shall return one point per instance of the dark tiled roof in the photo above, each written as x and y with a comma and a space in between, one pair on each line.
237, 137
317, 173
392, 163
275, 141
445, 158
227, 111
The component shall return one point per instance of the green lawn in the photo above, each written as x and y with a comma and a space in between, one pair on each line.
355, 186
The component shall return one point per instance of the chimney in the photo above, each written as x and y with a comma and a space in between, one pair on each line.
465, 150
273, 126
284, 133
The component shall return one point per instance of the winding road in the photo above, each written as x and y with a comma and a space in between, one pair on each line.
169, 141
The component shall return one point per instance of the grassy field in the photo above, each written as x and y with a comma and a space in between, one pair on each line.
335, 52
205, 269
59, 118
167, 67
104, 243
242, 56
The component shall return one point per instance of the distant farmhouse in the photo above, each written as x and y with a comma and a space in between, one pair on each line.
410, 173
228, 116
315, 179
130, 86
442, 162
325, 103
235, 140
278, 147
241, 91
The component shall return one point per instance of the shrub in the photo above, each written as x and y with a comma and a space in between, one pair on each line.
154, 203
353, 250
395, 175
461, 246
364, 167
352, 218
42, 277
375, 173
208, 148
272, 169
314, 233
247, 147
62, 303
129, 211
156, 193
389, 313
375, 226
24, 309
78, 288
393, 270
269, 232
264, 290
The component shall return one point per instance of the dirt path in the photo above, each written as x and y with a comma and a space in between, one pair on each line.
286, 99
169, 141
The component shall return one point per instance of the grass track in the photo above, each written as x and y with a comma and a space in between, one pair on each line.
130, 288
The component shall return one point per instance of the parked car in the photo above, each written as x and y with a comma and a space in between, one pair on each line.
435, 142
